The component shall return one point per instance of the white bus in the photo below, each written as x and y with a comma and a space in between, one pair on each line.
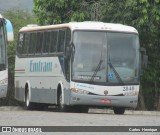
6, 34
78, 65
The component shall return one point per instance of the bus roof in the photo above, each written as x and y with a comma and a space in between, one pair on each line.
89, 25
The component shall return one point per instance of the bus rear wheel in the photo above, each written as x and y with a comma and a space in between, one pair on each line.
28, 104
119, 110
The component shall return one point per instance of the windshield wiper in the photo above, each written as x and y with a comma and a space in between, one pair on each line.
97, 69
115, 72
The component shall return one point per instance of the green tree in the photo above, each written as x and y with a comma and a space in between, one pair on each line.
60, 11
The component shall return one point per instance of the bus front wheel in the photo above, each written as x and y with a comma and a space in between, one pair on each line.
119, 110
61, 106
27, 100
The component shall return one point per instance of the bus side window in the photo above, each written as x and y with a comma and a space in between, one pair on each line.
68, 37
32, 43
54, 36
26, 44
20, 43
61, 41
46, 42
39, 42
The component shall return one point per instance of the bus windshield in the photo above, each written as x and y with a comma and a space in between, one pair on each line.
105, 57
2, 47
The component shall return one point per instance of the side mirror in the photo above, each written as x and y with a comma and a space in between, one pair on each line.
144, 58
9, 29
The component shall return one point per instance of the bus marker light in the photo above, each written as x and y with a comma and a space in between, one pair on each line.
74, 90
104, 100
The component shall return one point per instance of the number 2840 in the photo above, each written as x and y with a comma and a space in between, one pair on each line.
128, 88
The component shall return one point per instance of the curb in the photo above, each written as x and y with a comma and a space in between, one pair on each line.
11, 108
92, 110
152, 113
127, 112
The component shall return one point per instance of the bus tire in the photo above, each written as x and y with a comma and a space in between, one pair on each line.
61, 106
119, 110
28, 104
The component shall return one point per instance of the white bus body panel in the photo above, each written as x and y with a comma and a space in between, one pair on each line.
112, 90
44, 74
124, 96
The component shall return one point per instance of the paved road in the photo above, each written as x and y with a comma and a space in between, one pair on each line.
20, 117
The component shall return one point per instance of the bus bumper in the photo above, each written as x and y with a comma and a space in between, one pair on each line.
3, 91
104, 101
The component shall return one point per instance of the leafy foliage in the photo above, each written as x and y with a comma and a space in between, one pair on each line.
53, 11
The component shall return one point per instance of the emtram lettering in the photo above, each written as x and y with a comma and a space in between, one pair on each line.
40, 66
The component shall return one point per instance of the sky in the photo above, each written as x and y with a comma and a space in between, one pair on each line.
26, 5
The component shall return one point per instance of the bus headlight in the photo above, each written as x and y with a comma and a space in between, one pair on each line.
79, 91
4, 81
